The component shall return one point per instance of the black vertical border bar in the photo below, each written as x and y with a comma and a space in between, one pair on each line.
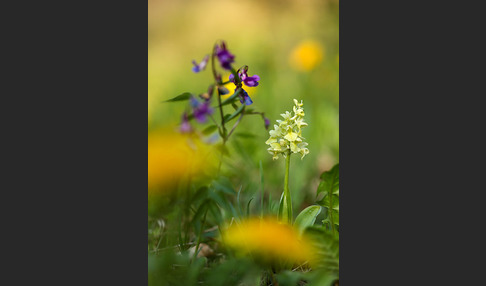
77, 97
411, 143
98, 54
373, 135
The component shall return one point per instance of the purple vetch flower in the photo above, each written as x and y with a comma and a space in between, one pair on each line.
232, 78
244, 97
201, 66
185, 125
224, 56
250, 81
201, 110
267, 122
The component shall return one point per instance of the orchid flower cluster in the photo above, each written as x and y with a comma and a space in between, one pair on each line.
286, 138
200, 107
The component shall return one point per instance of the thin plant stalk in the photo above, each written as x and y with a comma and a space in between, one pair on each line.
285, 208
263, 193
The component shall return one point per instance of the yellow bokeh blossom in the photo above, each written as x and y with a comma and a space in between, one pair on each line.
307, 55
268, 241
172, 155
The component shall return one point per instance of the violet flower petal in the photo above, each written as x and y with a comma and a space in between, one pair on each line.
245, 98
201, 66
251, 81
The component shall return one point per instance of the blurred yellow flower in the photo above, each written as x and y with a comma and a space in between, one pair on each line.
268, 241
307, 55
172, 155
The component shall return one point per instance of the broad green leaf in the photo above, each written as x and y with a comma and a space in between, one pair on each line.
180, 97
306, 218
330, 181
329, 186
326, 245
325, 202
210, 129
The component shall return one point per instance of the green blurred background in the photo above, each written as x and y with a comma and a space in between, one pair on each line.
292, 45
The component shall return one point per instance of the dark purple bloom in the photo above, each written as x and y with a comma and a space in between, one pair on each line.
250, 81
267, 122
244, 97
185, 125
201, 66
224, 56
201, 110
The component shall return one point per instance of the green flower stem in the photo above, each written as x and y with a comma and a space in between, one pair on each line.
263, 193
285, 209
286, 187
222, 129
236, 124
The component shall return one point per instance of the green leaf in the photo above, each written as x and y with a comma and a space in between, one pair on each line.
180, 97
326, 246
326, 201
306, 218
231, 99
210, 129
236, 113
329, 186
330, 181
